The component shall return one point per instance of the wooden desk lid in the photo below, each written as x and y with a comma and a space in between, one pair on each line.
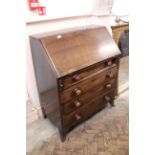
71, 51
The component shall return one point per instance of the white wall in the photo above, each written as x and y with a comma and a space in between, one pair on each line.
62, 8
68, 8
120, 8
102, 7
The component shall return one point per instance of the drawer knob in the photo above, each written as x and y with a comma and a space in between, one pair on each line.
77, 91
109, 63
109, 75
76, 77
77, 103
107, 98
108, 85
61, 85
77, 117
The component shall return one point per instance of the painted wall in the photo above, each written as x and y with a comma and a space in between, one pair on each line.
62, 8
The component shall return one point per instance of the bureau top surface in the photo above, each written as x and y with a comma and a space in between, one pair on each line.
72, 51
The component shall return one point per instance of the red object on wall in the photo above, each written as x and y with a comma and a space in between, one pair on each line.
33, 4
41, 10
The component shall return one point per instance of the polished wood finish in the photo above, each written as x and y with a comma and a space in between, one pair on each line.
87, 110
72, 51
68, 81
83, 67
84, 99
85, 85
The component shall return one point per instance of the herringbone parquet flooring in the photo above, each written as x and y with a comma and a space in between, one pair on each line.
106, 133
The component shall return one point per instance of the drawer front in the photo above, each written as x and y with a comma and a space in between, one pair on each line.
85, 73
78, 102
104, 77
87, 110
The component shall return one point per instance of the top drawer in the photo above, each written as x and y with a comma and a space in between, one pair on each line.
74, 78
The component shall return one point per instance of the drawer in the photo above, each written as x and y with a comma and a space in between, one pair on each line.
78, 102
105, 77
89, 109
75, 78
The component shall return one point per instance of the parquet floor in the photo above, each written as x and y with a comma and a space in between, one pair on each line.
106, 133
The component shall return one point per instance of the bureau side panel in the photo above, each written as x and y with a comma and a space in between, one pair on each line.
46, 78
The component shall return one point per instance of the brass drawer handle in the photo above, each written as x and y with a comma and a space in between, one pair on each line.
77, 103
107, 98
76, 77
108, 85
109, 75
109, 63
77, 91
78, 117
61, 85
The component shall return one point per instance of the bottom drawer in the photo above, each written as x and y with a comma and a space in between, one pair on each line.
89, 109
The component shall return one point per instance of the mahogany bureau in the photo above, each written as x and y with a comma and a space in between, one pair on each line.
76, 72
